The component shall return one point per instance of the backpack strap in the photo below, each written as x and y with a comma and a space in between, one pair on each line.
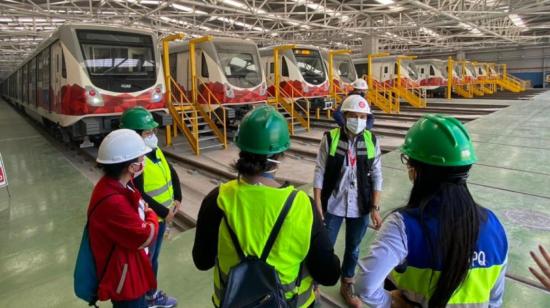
278, 225
234, 239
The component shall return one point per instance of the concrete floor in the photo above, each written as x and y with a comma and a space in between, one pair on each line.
41, 224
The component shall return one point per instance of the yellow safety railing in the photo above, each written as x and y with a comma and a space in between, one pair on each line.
415, 96
180, 111
290, 108
211, 100
336, 92
383, 97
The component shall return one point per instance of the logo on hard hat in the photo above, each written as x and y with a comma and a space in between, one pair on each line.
362, 105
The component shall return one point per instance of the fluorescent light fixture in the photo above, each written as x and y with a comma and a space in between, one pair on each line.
187, 9
319, 8
429, 32
518, 21
470, 28
240, 24
150, 2
6, 19
385, 2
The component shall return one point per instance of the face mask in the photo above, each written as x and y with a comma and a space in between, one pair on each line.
151, 141
140, 168
355, 125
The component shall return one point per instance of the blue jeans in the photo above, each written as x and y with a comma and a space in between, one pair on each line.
136, 303
355, 231
154, 251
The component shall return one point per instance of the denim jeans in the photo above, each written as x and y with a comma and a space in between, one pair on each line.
154, 251
136, 303
355, 231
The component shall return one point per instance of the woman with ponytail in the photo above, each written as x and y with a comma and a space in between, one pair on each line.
442, 249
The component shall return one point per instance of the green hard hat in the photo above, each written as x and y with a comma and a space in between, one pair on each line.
137, 118
439, 140
264, 131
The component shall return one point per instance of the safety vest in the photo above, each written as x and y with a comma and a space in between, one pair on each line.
415, 275
157, 180
252, 211
338, 149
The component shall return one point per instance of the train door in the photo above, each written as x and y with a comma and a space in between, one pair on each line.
56, 76
384, 72
422, 72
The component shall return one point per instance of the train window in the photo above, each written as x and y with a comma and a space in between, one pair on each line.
284, 68
110, 55
432, 70
345, 67
422, 71
385, 69
63, 65
204, 67
272, 68
240, 65
311, 65
173, 64
395, 68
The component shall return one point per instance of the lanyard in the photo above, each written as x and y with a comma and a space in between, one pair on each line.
352, 158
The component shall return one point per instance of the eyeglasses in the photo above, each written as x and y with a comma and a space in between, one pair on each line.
147, 133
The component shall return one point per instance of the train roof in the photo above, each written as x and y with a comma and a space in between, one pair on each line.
298, 46
66, 28
380, 60
424, 61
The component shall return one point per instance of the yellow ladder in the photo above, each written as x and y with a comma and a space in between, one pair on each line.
383, 98
187, 113
414, 96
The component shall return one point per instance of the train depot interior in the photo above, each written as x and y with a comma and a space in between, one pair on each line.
69, 69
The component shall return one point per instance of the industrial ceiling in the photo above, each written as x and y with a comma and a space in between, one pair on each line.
400, 26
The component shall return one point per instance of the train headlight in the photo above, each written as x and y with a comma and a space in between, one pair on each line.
229, 91
93, 98
156, 95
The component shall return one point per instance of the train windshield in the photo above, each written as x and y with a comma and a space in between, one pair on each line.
240, 65
344, 68
311, 65
408, 67
127, 57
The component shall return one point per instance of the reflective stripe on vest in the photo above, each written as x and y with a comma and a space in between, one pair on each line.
341, 147
252, 211
419, 279
157, 180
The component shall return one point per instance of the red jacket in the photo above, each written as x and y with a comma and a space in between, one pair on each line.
115, 228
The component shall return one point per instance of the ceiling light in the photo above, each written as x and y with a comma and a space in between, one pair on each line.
518, 21
429, 32
385, 2
187, 9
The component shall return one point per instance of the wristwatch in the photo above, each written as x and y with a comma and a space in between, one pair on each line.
376, 208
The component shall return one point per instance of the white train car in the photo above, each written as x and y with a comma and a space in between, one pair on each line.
227, 68
432, 74
344, 70
84, 76
384, 71
303, 73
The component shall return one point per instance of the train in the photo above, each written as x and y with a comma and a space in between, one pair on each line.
344, 70
384, 71
432, 75
228, 69
79, 80
303, 74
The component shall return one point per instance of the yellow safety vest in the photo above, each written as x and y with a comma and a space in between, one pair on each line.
157, 180
252, 211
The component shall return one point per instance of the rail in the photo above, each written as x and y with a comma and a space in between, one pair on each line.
222, 135
180, 114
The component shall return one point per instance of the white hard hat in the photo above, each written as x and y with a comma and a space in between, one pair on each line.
121, 145
360, 84
356, 103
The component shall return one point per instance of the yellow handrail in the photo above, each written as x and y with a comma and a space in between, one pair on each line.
192, 136
304, 122
222, 120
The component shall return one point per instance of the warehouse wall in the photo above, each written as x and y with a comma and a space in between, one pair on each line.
528, 63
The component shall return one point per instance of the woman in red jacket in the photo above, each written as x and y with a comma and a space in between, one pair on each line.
121, 225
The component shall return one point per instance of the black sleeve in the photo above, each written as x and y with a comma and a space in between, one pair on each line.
205, 248
158, 208
175, 183
321, 262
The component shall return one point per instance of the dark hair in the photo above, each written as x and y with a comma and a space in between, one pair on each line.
441, 193
250, 164
115, 170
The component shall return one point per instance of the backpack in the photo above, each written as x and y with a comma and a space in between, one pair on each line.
253, 282
86, 281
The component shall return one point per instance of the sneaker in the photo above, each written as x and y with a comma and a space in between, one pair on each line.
348, 293
161, 300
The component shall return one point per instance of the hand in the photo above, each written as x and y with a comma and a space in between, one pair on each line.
171, 214
146, 207
319, 209
376, 219
398, 300
544, 265
177, 205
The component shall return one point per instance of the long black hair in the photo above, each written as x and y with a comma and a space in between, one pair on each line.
250, 164
441, 193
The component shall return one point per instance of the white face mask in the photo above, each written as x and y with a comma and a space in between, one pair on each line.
355, 125
151, 141
141, 168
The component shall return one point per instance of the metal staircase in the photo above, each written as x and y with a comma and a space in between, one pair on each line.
199, 126
476, 89
416, 97
382, 97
